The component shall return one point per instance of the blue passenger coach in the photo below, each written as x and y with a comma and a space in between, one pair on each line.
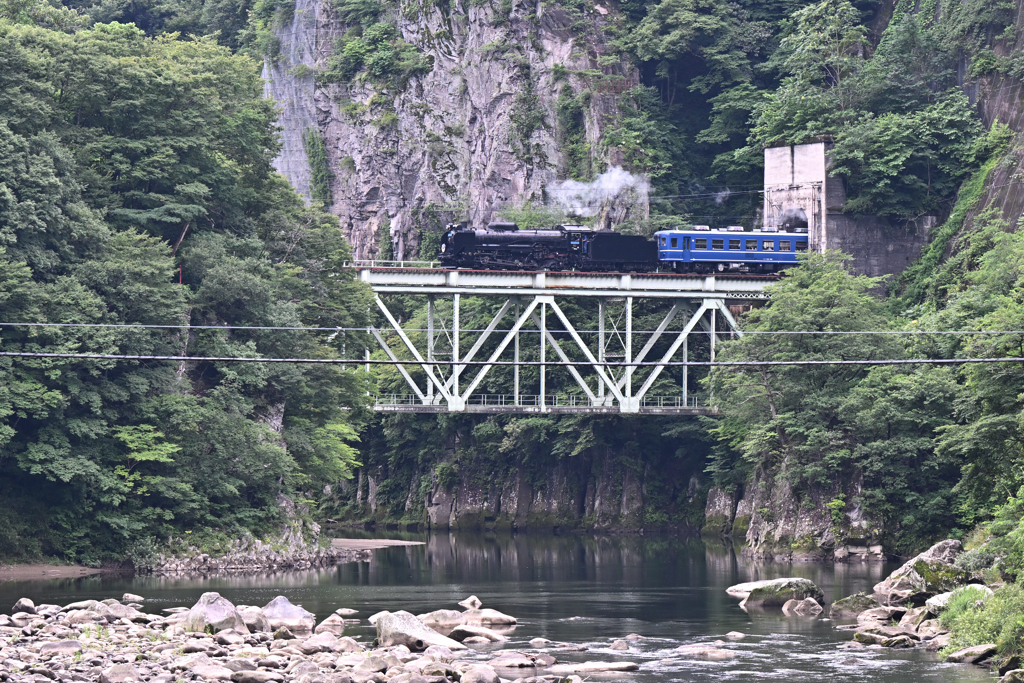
706, 251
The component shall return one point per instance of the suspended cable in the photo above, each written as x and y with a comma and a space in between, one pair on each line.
461, 363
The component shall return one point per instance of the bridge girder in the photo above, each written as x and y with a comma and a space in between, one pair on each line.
452, 385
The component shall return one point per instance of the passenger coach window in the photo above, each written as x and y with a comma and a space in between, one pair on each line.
675, 242
751, 245
700, 243
662, 241
767, 246
686, 243
734, 245
718, 244
784, 245
801, 246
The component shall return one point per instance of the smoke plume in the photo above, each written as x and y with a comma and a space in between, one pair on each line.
590, 199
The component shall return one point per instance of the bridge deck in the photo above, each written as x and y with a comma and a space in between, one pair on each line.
532, 283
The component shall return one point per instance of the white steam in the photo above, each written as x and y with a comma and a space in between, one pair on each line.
589, 199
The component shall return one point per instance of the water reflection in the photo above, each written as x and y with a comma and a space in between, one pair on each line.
578, 589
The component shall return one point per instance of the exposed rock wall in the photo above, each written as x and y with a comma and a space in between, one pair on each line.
594, 491
447, 139
777, 523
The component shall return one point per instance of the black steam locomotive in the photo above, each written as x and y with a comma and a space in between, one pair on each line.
503, 246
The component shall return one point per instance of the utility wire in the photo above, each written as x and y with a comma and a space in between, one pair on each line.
357, 361
527, 331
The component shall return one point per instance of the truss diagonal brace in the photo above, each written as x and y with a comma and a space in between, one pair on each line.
669, 317
704, 307
586, 351
479, 342
561, 354
509, 336
427, 368
401, 368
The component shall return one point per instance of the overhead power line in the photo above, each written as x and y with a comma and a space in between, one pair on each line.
182, 326
373, 361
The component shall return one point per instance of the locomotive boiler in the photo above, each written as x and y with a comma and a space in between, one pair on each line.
503, 246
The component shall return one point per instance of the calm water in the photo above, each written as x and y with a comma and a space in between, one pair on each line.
575, 589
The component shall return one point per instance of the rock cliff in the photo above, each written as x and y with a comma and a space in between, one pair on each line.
480, 131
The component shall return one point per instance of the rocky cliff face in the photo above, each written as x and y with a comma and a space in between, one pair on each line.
777, 523
449, 140
595, 491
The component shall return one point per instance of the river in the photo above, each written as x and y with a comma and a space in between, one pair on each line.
577, 589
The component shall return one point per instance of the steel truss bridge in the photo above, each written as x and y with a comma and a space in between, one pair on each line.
612, 374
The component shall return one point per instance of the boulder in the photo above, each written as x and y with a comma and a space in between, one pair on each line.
883, 615
937, 604
619, 645
931, 572
256, 676
899, 642
213, 672
915, 616
511, 660
230, 637
852, 606
735, 635
442, 619
83, 616
708, 652
808, 607
778, 592
24, 605
348, 644
62, 647
322, 642
972, 655
374, 617
332, 624
593, 667
131, 597
484, 617
214, 612
255, 620
281, 613
119, 673
402, 628
462, 632
472, 602
1013, 676
479, 673
83, 604
346, 612
930, 628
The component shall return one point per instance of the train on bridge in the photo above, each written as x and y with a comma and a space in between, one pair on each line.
503, 246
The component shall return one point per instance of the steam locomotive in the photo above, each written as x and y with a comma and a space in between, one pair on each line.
503, 246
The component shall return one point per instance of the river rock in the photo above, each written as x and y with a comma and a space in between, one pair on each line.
24, 605
213, 672
852, 605
881, 615
511, 660
119, 673
776, 592
484, 617
931, 572
256, 676
972, 655
903, 641
808, 607
930, 628
735, 635
1013, 676
83, 616
708, 652
332, 624
463, 631
442, 618
255, 620
281, 613
593, 667
214, 612
619, 645
472, 602
915, 616
132, 597
479, 673
402, 628
63, 647
939, 642
374, 617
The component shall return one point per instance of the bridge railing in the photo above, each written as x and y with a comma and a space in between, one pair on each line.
373, 263
534, 400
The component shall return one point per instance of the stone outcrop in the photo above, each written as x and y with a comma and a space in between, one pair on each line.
448, 136
402, 628
776, 593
